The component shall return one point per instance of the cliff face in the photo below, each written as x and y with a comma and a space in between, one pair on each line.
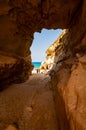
54, 52
19, 19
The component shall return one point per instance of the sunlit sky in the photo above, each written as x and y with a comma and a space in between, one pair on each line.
41, 42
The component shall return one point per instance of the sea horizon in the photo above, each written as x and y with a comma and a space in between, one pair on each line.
36, 64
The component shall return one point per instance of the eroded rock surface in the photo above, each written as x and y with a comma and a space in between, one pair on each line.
13, 70
71, 86
19, 19
75, 95
53, 53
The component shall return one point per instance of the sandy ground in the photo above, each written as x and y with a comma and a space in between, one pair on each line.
28, 106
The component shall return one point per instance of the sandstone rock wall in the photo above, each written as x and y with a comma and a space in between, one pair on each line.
69, 84
13, 70
69, 74
53, 52
14, 44
68, 80
19, 19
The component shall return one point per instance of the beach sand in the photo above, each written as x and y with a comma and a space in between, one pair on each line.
28, 106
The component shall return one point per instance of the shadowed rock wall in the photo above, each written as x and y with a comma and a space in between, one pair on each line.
69, 74
19, 19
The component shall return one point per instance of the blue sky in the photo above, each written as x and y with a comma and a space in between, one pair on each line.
41, 42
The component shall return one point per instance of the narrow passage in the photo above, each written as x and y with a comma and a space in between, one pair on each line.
28, 106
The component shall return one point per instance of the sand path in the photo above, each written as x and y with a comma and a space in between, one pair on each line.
28, 106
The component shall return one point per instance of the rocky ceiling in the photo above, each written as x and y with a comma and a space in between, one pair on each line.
19, 19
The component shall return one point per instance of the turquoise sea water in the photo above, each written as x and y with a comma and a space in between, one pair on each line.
36, 64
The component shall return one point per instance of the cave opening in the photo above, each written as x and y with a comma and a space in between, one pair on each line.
41, 42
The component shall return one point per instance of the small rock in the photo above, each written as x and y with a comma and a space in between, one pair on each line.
10, 127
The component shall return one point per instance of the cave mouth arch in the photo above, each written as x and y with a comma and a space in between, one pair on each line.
41, 42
